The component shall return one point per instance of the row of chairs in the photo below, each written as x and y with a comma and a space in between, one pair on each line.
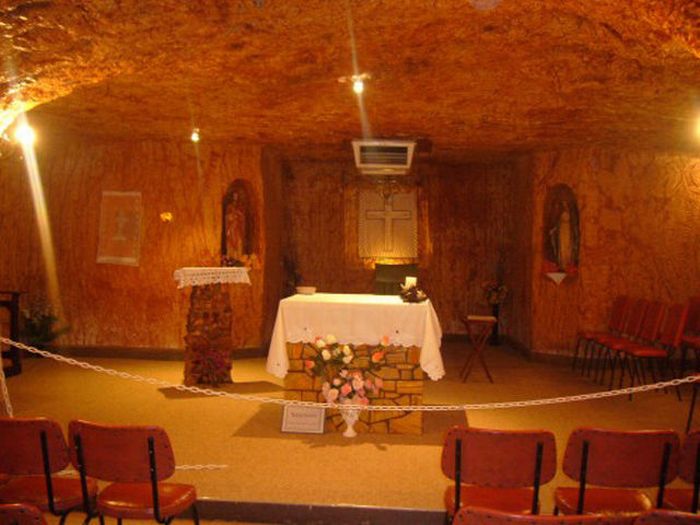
504, 469
134, 460
483, 516
639, 333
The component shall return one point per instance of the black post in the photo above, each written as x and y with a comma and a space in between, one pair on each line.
582, 478
536, 483
662, 475
458, 476
154, 479
696, 480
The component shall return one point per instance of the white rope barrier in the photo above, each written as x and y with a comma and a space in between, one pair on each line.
372, 408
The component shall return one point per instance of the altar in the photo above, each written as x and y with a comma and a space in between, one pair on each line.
408, 333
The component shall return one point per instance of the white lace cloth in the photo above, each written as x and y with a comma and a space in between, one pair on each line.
356, 319
194, 276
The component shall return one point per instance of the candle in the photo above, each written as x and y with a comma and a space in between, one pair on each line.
410, 282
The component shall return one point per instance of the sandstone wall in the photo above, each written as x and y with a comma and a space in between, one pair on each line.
122, 306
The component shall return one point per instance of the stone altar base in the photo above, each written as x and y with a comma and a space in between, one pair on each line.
403, 386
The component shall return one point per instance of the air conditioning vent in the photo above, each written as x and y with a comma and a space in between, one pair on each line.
383, 157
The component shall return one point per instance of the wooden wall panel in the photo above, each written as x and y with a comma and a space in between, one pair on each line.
111, 305
640, 232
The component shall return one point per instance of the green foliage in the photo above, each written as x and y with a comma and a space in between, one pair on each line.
38, 325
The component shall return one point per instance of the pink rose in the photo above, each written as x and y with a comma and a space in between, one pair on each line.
345, 389
309, 364
336, 382
357, 383
332, 395
363, 401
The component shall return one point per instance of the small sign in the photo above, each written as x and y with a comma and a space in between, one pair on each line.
303, 420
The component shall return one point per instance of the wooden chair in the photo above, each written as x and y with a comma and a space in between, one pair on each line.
479, 328
689, 471
32, 450
21, 514
621, 461
135, 460
667, 517
499, 469
482, 516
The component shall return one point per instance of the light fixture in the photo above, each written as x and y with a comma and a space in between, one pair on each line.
357, 81
195, 135
24, 134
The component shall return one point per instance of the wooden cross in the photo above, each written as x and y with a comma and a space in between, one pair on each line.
388, 215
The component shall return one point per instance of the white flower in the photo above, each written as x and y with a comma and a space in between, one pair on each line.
336, 382
326, 355
330, 339
347, 359
320, 343
332, 395
347, 350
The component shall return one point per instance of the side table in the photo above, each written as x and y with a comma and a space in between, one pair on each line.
478, 328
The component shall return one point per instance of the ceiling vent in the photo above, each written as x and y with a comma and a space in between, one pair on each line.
383, 157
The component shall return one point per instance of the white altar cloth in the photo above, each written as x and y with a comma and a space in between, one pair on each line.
356, 319
197, 276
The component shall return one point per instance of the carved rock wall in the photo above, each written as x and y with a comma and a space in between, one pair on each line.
121, 306
640, 232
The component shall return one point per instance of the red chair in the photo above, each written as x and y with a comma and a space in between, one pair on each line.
618, 316
669, 341
32, 450
691, 337
482, 516
135, 460
499, 469
620, 461
688, 470
610, 344
20, 514
667, 517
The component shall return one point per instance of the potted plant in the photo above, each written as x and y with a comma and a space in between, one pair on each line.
38, 325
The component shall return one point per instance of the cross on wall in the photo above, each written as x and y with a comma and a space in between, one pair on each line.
388, 215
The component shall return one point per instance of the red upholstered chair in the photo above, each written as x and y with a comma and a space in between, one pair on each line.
608, 345
135, 460
482, 516
667, 517
621, 461
689, 471
499, 469
618, 316
32, 450
21, 514
691, 337
669, 341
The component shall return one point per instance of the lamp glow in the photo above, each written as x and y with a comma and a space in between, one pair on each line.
195, 135
25, 135
358, 86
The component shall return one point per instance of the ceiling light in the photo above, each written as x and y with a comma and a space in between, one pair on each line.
358, 86
195, 135
24, 134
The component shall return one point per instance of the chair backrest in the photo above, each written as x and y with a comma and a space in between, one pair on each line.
667, 517
481, 516
693, 323
20, 443
119, 453
622, 458
635, 317
618, 313
652, 321
689, 457
20, 514
388, 278
499, 458
674, 325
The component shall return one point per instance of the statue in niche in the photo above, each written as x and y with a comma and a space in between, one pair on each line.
561, 230
237, 235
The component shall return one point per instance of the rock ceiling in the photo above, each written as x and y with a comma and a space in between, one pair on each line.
467, 75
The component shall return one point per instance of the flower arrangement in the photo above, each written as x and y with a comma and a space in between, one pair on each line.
37, 325
333, 362
495, 292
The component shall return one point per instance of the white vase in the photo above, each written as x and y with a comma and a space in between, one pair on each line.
350, 416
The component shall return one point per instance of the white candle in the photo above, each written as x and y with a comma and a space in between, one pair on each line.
410, 282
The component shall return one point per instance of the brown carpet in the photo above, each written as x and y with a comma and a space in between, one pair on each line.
269, 466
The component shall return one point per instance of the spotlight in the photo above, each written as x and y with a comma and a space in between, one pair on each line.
195, 135
358, 86
25, 135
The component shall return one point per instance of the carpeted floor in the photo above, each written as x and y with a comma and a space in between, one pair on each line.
266, 465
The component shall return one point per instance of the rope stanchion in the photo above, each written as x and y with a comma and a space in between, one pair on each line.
371, 408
